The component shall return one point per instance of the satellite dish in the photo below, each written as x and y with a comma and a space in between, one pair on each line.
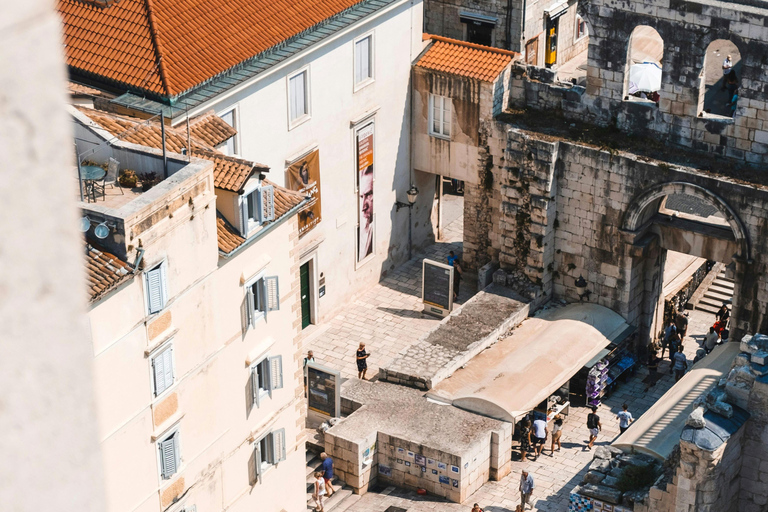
101, 231
85, 224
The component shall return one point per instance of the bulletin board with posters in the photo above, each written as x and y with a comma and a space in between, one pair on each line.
303, 175
323, 386
364, 140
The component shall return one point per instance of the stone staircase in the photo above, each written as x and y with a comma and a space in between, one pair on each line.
341, 500
721, 290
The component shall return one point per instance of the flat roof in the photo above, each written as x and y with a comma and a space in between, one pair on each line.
657, 431
512, 377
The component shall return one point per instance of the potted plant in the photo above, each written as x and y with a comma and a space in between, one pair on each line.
148, 180
128, 178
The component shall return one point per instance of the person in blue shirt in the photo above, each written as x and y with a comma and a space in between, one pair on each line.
453, 261
327, 473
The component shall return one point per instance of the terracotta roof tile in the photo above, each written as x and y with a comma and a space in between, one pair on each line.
229, 237
465, 59
229, 173
104, 270
169, 46
76, 89
284, 199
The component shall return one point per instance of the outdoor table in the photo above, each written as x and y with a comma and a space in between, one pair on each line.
90, 174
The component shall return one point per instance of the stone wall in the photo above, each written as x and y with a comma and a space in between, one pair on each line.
687, 28
441, 17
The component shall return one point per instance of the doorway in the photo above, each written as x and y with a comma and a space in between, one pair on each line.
306, 314
550, 57
450, 204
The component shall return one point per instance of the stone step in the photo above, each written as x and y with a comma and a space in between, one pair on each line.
721, 287
709, 305
311, 483
313, 465
337, 502
309, 456
717, 295
315, 441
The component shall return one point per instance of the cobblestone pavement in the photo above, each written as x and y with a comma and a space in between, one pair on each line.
556, 475
388, 317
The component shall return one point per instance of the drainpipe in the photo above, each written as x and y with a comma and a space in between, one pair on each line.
508, 25
522, 30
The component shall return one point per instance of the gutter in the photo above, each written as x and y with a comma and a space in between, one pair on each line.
264, 232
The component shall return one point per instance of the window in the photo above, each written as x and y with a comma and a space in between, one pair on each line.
440, 116
269, 451
266, 376
298, 96
364, 60
581, 28
168, 449
256, 208
162, 370
262, 296
156, 286
229, 147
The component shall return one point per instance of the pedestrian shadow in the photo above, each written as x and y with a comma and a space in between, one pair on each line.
494, 508
406, 313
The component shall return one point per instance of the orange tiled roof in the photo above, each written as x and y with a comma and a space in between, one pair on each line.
105, 271
229, 173
229, 237
169, 46
76, 89
465, 59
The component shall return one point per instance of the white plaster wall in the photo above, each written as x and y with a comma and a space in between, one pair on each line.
49, 445
264, 137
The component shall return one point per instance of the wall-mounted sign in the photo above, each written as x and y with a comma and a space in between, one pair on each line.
437, 287
323, 390
304, 176
365, 229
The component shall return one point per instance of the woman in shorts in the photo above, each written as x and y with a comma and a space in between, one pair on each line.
557, 432
525, 438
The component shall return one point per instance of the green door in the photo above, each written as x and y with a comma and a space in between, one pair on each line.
304, 277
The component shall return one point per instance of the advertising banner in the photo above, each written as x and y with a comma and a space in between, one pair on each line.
365, 230
304, 176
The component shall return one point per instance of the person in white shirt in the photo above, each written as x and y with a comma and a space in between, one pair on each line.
540, 436
625, 418
711, 339
727, 68
526, 489
319, 491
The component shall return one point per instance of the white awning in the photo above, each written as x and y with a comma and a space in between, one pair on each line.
515, 375
556, 10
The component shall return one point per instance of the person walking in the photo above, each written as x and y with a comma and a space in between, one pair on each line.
674, 344
327, 473
625, 418
453, 261
557, 432
526, 489
710, 340
540, 433
309, 359
476, 508
525, 438
679, 363
362, 361
671, 328
723, 314
727, 68
681, 323
653, 369
320, 491
594, 426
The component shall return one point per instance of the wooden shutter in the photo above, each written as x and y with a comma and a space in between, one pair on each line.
266, 203
162, 367
275, 372
278, 445
257, 463
244, 216
251, 300
168, 456
255, 385
154, 289
271, 293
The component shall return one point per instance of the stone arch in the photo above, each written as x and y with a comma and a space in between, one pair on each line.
712, 81
645, 45
635, 216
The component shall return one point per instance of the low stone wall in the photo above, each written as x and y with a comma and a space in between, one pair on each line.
458, 338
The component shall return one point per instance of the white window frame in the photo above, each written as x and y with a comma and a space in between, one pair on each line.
301, 119
254, 313
259, 302
162, 349
270, 369
259, 195
440, 134
235, 110
272, 459
371, 62
163, 269
576, 36
173, 431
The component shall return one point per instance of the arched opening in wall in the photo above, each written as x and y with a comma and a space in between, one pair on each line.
642, 73
690, 239
719, 80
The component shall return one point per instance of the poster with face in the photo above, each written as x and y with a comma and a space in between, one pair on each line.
304, 176
365, 230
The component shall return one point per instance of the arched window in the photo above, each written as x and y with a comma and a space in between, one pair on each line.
720, 76
642, 73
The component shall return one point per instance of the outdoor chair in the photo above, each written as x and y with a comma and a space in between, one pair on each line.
113, 170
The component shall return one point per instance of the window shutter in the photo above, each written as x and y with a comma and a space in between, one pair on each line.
270, 446
266, 203
255, 385
154, 290
244, 216
251, 306
168, 367
168, 456
163, 285
257, 463
159, 373
275, 372
272, 293
278, 445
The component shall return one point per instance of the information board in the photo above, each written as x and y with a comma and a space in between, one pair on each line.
437, 287
323, 390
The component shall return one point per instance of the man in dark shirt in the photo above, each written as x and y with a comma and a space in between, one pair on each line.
594, 426
327, 473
